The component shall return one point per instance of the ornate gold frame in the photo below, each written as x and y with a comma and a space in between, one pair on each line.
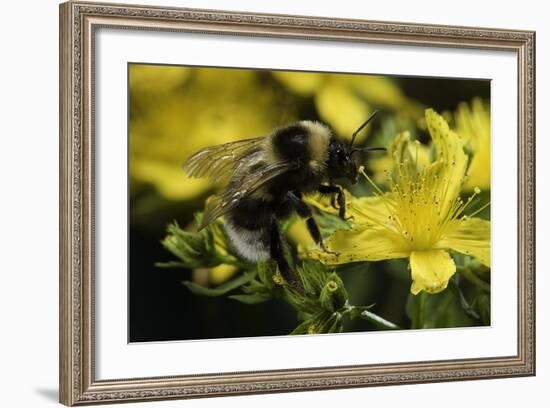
78, 22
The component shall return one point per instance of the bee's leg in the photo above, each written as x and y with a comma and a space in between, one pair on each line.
340, 198
303, 210
277, 252
333, 195
332, 190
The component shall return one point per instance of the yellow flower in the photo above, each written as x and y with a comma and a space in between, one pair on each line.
341, 108
473, 123
155, 79
302, 83
383, 166
421, 218
345, 100
222, 273
299, 234
175, 111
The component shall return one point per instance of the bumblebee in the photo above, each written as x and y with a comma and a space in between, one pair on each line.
266, 178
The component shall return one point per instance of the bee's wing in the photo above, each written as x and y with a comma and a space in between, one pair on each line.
219, 162
227, 200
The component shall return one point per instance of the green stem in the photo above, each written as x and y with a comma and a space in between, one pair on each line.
471, 313
363, 312
229, 260
474, 279
378, 321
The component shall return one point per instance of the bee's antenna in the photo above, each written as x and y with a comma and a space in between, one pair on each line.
372, 115
367, 149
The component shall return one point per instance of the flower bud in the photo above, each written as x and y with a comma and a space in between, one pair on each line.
333, 295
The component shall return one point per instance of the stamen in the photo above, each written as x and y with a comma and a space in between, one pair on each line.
480, 209
372, 183
422, 203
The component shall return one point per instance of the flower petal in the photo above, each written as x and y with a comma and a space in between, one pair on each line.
448, 144
299, 233
341, 108
360, 244
221, 273
302, 83
361, 210
152, 80
431, 270
323, 201
471, 236
479, 172
451, 163
473, 123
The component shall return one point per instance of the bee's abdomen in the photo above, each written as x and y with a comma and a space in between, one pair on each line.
251, 244
248, 228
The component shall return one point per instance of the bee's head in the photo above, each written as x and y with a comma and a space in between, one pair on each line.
341, 163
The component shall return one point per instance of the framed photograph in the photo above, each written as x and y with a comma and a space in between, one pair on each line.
256, 203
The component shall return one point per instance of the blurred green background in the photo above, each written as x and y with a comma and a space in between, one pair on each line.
175, 111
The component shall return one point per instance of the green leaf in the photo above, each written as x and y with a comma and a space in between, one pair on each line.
440, 310
251, 299
286, 224
170, 264
222, 289
207, 248
302, 328
328, 223
265, 274
467, 273
482, 305
468, 310
327, 324
337, 326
